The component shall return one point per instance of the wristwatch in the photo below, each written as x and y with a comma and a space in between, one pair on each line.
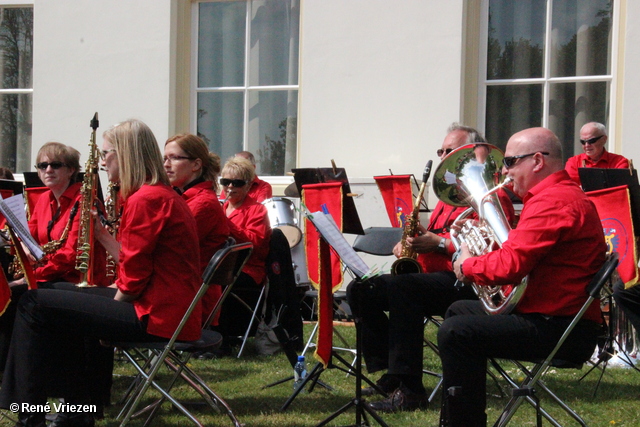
441, 245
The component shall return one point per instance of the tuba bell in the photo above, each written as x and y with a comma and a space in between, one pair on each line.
469, 176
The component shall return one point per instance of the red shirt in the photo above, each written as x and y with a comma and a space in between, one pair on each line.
159, 259
442, 217
559, 243
607, 161
213, 230
260, 190
250, 223
61, 265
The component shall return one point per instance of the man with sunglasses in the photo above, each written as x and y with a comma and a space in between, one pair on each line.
593, 137
559, 244
395, 342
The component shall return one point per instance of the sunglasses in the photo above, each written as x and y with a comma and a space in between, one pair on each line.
54, 165
440, 151
590, 140
508, 162
235, 182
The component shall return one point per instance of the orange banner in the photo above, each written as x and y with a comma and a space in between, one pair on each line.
614, 208
397, 196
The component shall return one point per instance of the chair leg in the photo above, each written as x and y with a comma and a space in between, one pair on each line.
254, 317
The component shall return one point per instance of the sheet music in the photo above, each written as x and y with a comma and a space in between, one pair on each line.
13, 210
329, 230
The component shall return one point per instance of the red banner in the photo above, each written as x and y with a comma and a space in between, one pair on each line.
614, 208
398, 197
5, 292
323, 265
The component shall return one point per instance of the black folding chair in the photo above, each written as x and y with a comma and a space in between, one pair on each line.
533, 377
223, 269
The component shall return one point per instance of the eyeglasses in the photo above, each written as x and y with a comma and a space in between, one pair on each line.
54, 165
235, 182
508, 162
440, 151
590, 140
172, 159
103, 153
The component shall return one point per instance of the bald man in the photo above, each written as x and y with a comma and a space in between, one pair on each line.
593, 137
260, 190
559, 243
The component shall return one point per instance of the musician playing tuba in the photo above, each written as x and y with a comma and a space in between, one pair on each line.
395, 342
559, 244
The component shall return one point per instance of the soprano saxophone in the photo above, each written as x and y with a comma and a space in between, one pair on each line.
113, 211
86, 241
407, 262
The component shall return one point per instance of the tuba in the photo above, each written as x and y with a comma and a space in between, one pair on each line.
407, 262
469, 176
84, 253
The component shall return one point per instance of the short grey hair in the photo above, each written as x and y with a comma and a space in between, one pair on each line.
599, 126
473, 136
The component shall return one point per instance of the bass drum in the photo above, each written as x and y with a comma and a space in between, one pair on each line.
282, 215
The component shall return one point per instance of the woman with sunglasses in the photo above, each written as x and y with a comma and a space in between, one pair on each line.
193, 173
248, 222
158, 276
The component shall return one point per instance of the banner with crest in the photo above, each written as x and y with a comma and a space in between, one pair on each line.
397, 195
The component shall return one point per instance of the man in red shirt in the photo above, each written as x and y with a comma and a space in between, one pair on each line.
384, 344
559, 244
593, 137
260, 190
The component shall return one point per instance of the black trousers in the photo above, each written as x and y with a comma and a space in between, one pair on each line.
47, 351
396, 342
234, 317
629, 301
469, 336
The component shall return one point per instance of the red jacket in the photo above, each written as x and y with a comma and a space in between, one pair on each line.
250, 223
607, 161
159, 259
260, 190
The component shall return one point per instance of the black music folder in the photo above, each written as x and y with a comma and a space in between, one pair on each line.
593, 179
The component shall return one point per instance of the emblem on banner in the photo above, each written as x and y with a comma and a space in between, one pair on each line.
616, 237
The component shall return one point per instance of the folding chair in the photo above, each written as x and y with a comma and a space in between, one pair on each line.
527, 389
223, 269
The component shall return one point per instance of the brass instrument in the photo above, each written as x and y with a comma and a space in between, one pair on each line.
113, 211
468, 176
406, 262
86, 241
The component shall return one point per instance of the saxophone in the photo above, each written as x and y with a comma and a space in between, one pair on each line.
84, 259
113, 211
407, 262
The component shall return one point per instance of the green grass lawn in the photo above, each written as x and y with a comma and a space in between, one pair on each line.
241, 383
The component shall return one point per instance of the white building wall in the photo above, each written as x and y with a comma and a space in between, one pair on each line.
629, 115
107, 56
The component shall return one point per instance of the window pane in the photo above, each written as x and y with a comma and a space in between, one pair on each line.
516, 39
221, 44
571, 105
274, 42
581, 38
15, 132
16, 47
511, 109
220, 122
272, 130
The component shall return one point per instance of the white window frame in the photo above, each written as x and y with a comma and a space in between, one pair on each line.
246, 88
546, 81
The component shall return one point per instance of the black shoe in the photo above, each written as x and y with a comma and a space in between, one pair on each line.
31, 420
66, 419
402, 399
387, 383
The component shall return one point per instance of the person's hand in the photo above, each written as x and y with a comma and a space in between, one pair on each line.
18, 282
122, 297
456, 265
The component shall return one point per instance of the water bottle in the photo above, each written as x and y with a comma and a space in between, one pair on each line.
299, 372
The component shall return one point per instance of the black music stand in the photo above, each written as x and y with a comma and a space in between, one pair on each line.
32, 180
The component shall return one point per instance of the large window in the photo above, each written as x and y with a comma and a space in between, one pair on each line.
16, 71
246, 89
548, 63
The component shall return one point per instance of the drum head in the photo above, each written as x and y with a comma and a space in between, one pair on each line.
282, 215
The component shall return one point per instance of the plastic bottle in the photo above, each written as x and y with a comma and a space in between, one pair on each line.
299, 372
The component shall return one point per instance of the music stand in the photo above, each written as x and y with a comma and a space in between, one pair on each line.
599, 178
32, 180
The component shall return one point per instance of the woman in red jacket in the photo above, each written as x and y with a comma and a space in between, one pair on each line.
249, 222
193, 172
158, 276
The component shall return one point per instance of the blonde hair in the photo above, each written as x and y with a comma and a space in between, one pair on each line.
57, 151
196, 148
139, 157
240, 166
